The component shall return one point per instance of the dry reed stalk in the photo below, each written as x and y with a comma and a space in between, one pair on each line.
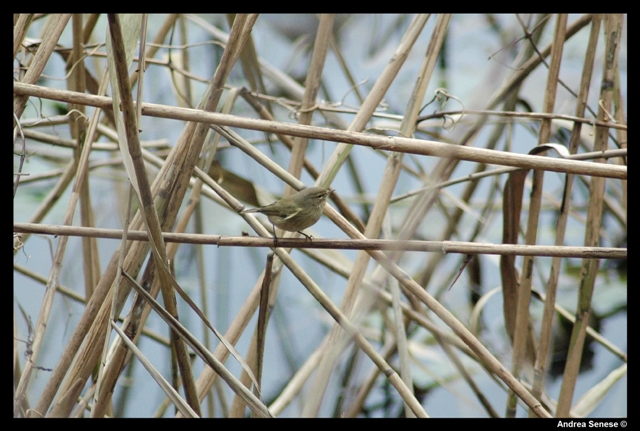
98, 298
51, 34
53, 31
397, 143
613, 25
312, 87
524, 338
551, 288
391, 174
461, 247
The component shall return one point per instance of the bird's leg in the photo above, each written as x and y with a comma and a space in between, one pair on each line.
308, 237
275, 236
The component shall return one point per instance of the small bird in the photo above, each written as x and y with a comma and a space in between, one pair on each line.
295, 212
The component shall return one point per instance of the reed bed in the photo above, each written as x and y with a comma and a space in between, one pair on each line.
470, 263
